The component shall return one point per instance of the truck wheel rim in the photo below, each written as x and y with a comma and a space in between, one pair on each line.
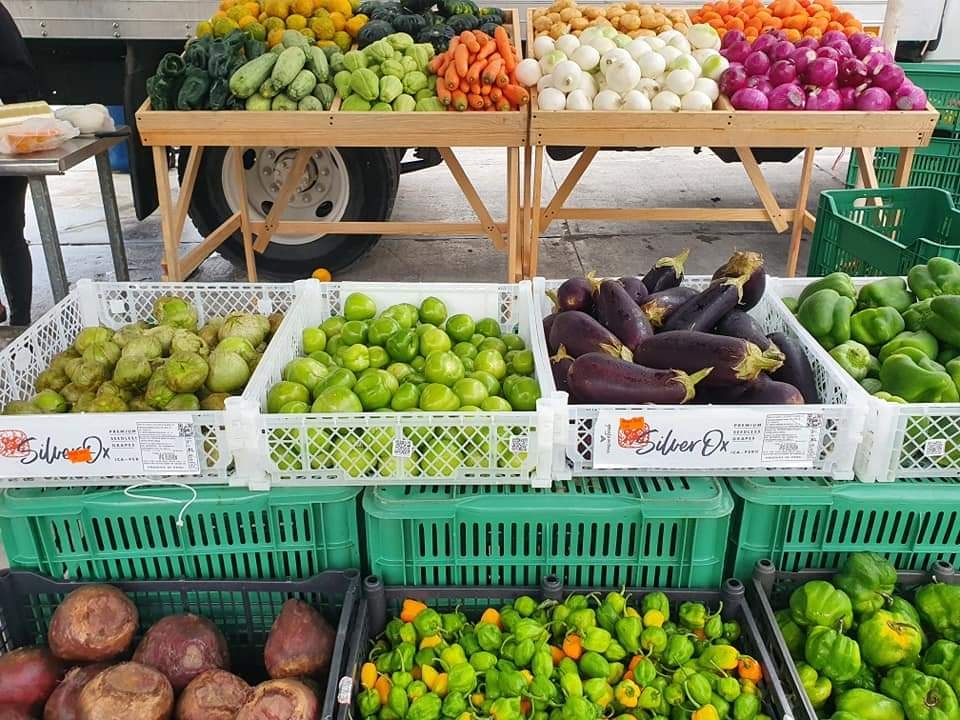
323, 193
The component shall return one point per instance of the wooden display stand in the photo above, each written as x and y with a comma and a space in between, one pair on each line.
308, 131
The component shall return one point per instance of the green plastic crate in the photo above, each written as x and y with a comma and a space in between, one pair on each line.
882, 232
102, 534
942, 85
937, 165
800, 523
602, 532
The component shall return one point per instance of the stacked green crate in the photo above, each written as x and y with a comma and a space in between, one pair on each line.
591, 532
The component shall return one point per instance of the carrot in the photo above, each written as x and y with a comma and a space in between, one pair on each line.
453, 44
487, 50
436, 62
572, 646
496, 94
468, 39
487, 102
447, 62
473, 74
411, 608
492, 70
516, 95
503, 46
459, 100
481, 37
485, 90
475, 101
451, 77
502, 79
460, 56
443, 93
475, 89
464, 87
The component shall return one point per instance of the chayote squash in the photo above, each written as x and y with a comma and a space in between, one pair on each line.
430, 104
258, 103
390, 88
245, 82
310, 103
325, 94
302, 85
414, 81
355, 103
400, 40
409, 64
421, 53
393, 67
381, 107
336, 62
317, 63
354, 60
365, 83
378, 52
404, 103
427, 92
342, 82
283, 103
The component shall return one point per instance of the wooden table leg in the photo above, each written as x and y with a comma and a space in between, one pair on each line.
797, 233
535, 200
901, 177
171, 244
289, 186
868, 172
526, 209
566, 187
244, 211
760, 184
472, 196
514, 240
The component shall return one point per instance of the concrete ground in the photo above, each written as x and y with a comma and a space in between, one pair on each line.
663, 178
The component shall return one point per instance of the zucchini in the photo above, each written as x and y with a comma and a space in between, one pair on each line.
289, 65
283, 103
245, 82
258, 103
302, 85
310, 103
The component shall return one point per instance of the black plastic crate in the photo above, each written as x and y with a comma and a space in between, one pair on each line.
244, 610
381, 602
770, 589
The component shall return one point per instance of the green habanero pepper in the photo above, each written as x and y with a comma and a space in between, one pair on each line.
525, 605
461, 679
854, 358
868, 579
714, 627
598, 691
408, 633
944, 320
568, 666
453, 655
617, 601
674, 694
369, 702
653, 640
746, 707
679, 649
596, 640
607, 617
826, 315
523, 653
887, 640
693, 616
416, 690
428, 623
560, 614
920, 339
392, 631
650, 698
542, 692
512, 683
491, 683
818, 603
528, 629
582, 620
424, 657
889, 292
818, 689
507, 653
397, 701
510, 619
697, 688
869, 705
571, 684
831, 654
453, 622
656, 601
594, 665
489, 637
405, 654
644, 672
453, 705
917, 380
577, 707
731, 631
839, 282
939, 606
616, 673
729, 688
483, 660
719, 658
542, 663
940, 276
401, 679
876, 326
469, 643
388, 662
615, 652
722, 706
576, 602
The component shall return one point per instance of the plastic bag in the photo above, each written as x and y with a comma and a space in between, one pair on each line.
35, 135
89, 119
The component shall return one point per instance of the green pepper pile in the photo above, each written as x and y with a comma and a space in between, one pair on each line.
864, 653
585, 658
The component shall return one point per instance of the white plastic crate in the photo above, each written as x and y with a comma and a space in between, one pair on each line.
492, 448
899, 441
114, 305
841, 409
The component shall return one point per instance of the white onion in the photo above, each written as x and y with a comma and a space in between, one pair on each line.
651, 64
614, 57
636, 100
655, 43
696, 101
708, 87
687, 62
549, 61
649, 87
552, 99
621, 40
589, 34
701, 55
567, 44
675, 38
577, 100
607, 100
587, 57
638, 47
545, 81
542, 45
666, 101
603, 44
623, 76
587, 85
703, 36
528, 72
670, 54
680, 82
566, 76
713, 67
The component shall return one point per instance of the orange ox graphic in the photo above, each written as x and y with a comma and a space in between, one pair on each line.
633, 432
14, 443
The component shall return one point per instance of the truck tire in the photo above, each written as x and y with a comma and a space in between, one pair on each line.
339, 184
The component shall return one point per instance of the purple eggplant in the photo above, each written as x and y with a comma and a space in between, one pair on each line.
599, 378
635, 288
575, 294
739, 323
580, 334
619, 314
703, 311
796, 369
666, 273
749, 264
767, 391
659, 306
734, 360
560, 367
548, 323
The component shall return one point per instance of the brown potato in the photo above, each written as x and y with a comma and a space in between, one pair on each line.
63, 704
212, 695
568, 14
182, 647
129, 691
28, 676
578, 24
93, 624
300, 642
280, 700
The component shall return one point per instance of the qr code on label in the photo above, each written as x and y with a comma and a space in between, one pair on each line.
935, 448
520, 444
345, 690
402, 448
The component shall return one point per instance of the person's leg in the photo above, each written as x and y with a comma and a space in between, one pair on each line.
16, 267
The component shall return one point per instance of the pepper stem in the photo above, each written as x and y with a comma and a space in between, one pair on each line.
755, 362
690, 381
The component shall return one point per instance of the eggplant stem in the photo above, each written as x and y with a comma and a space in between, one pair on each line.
738, 282
552, 294
755, 362
689, 382
561, 354
676, 262
595, 283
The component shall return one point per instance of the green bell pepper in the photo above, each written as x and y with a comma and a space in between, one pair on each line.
853, 357
869, 705
818, 689
656, 601
628, 630
887, 640
915, 317
818, 603
876, 326
944, 320
594, 665
920, 340
942, 660
679, 650
923, 697
868, 578
832, 654
916, 380
947, 353
693, 616
940, 276
939, 606
866, 679
889, 292
653, 640
826, 315
839, 282
793, 634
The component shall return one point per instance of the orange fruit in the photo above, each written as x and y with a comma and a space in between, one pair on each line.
321, 274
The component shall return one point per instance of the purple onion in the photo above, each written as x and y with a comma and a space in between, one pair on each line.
733, 78
848, 98
889, 78
783, 50
757, 63
782, 72
749, 99
787, 97
825, 99
765, 42
861, 43
811, 43
874, 99
831, 36
852, 72
802, 57
821, 72
738, 51
841, 46
731, 37
761, 83
881, 51
829, 52
910, 97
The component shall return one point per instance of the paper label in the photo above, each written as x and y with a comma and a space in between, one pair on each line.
519, 444
345, 690
402, 448
935, 447
98, 445
711, 439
